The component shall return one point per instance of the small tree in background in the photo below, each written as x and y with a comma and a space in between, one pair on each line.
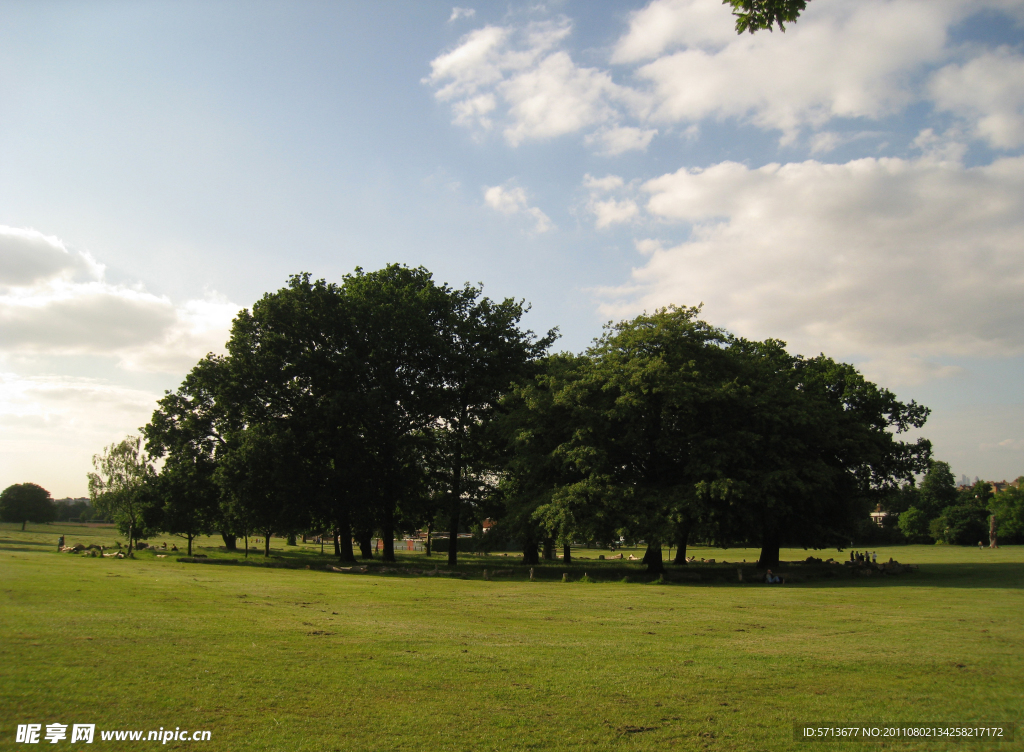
119, 485
26, 502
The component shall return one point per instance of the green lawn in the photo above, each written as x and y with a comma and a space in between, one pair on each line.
286, 658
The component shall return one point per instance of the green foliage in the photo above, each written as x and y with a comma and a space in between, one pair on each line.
979, 495
1008, 507
26, 502
753, 15
121, 486
938, 489
962, 525
914, 524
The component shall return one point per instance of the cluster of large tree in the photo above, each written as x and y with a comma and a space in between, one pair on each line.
387, 402
356, 408
669, 428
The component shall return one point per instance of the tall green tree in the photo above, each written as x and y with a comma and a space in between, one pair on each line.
821, 448
26, 502
484, 352
399, 314
648, 437
121, 485
186, 432
533, 421
937, 490
296, 368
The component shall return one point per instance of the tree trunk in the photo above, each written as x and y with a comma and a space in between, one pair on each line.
246, 545
653, 558
456, 508
769, 550
682, 539
387, 530
430, 530
453, 523
345, 542
230, 541
567, 553
549, 549
23, 525
266, 543
189, 536
131, 538
365, 539
530, 550
337, 543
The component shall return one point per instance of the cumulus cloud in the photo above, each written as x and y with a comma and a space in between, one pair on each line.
541, 91
55, 301
891, 261
988, 91
668, 24
28, 256
852, 58
682, 63
620, 139
606, 209
510, 200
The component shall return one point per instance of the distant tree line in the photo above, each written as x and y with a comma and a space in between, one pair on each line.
389, 403
937, 510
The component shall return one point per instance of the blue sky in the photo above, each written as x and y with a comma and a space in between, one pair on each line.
853, 186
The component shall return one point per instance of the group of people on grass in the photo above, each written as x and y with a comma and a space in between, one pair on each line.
864, 557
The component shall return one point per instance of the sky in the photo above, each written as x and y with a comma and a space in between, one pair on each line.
853, 186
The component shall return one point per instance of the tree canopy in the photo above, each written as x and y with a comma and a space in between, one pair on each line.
26, 502
388, 402
755, 15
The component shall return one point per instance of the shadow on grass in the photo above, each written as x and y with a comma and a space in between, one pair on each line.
7, 544
798, 574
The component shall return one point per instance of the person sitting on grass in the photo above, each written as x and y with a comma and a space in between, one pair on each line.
772, 579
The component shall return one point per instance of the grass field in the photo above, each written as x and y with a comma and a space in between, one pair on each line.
288, 658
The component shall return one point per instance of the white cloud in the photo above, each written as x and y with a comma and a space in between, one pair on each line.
609, 210
1012, 445
847, 58
28, 256
684, 64
668, 24
512, 200
556, 97
886, 260
989, 91
620, 139
521, 75
477, 61
56, 302
458, 13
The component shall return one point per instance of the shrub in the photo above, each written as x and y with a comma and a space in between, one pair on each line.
962, 525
